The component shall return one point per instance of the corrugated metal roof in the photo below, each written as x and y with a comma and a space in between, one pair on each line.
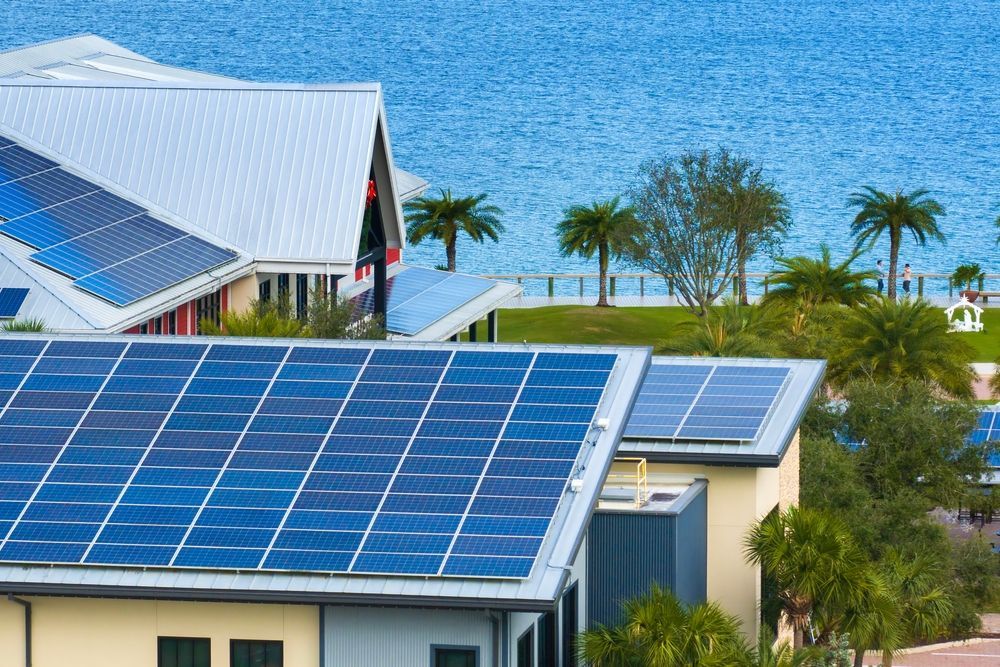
68, 49
780, 426
279, 171
539, 591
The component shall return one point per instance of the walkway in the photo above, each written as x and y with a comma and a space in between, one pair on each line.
978, 654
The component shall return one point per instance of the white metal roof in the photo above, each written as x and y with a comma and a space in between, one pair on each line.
537, 592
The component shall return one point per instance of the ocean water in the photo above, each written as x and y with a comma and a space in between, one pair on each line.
548, 104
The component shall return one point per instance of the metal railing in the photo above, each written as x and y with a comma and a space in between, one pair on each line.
637, 479
646, 284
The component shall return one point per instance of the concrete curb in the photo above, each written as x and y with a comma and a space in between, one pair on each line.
972, 641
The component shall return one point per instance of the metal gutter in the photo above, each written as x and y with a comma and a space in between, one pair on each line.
27, 626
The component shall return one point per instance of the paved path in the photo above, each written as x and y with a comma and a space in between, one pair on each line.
985, 654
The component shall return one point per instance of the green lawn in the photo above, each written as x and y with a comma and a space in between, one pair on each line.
648, 325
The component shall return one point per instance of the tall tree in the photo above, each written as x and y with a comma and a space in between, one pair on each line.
881, 213
757, 211
659, 630
807, 282
905, 340
684, 228
812, 559
443, 217
584, 230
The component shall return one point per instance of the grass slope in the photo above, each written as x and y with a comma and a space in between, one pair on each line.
648, 326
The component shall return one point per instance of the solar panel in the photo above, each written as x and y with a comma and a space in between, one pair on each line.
112, 248
987, 427
417, 298
705, 402
367, 460
11, 299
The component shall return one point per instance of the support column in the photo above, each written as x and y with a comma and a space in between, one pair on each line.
473, 337
491, 326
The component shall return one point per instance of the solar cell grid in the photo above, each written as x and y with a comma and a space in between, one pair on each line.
256, 472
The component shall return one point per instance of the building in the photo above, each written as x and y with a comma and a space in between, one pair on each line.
142, 198
188, 502
736, 437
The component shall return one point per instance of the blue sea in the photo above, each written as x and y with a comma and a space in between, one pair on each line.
548, 104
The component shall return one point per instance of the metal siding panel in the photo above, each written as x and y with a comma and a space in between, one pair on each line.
691, 549
358, 636
626, 552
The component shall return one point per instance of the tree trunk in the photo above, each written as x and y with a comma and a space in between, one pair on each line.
798, 638
742, 271
450, 249
859, 657
886, 658
602, 260
894, 238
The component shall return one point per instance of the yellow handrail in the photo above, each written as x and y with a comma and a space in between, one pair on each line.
639, 478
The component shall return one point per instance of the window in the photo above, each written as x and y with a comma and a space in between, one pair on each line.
301, 295
569, 623
454, 656
172, 323
253, 653
282, 284
264, 291
144, 328
526, 649
183, 652
547, 639
158, 325
207, 308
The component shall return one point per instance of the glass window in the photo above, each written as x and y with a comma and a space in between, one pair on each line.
254, 653
183, 652
301, 295
526, 649
547, 639
172, 323
264, 291
455, 656
282, 284
569, 626
207, 308
158, 325
144, 328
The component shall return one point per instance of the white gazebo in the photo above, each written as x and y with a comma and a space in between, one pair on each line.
970, 319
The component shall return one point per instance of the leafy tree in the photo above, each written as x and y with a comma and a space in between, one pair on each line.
812, 559
334, 316
584, 230
902, 341
730, 330
32, 324
893, 215
659, 630
974, 582
262, 319
684, 225
806, 282
444, 217
965, 273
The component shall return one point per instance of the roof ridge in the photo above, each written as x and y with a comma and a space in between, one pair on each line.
54, 40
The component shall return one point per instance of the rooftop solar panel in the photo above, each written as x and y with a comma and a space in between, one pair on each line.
271, 457
716, 402
11, 299
417, 298
112, 248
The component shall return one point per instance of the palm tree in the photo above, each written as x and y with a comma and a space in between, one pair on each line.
443, 217
767, 653
584, 230
906, 340
806, 282
730, 330
32, 324
659, 630
812, 559
894, 214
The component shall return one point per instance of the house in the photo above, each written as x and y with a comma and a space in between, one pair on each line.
142, 198
194, 501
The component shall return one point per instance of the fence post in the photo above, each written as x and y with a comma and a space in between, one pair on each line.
581, 285
612, 280
552, 286
520, 280
642, 285
951, 287
981, 280
765, 285
920, 286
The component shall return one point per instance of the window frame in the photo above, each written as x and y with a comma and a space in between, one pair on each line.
454, 647
568, 635
159, 647
234, 642
547, 645
528, 635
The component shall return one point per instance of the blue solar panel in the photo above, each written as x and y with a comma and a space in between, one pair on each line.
987, 429
109, 246
11, 299
705, 402
205, 455
417, 298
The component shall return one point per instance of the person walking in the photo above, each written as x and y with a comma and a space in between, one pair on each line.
880, 270
907, 277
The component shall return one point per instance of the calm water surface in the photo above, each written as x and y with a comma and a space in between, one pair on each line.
547, 104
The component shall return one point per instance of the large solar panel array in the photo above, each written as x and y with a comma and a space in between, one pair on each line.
332, 459
417, 298
110, 247
11, 299
705, 402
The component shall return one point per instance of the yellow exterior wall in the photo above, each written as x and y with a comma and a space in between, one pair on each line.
89, 632
242, 292
737, 497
